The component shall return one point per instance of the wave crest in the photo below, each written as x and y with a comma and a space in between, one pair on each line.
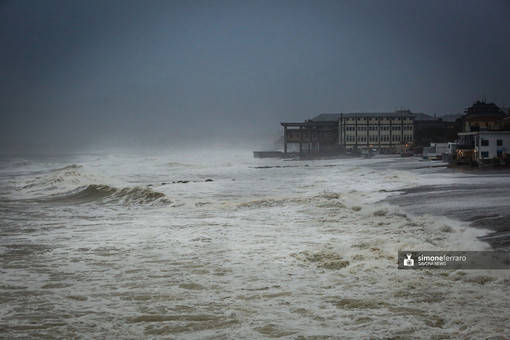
108, 194
57, 178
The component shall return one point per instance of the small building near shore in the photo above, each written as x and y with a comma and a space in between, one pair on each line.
484, 147
494, 144
485, 136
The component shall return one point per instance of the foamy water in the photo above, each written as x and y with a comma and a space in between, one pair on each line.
227, 246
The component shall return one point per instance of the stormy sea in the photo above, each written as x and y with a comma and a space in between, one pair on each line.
220, 245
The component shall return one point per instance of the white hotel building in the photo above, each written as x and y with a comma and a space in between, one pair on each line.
385, 131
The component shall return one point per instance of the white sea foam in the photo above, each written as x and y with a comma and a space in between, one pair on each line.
266, 249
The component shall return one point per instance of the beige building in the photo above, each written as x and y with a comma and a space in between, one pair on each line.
387, 132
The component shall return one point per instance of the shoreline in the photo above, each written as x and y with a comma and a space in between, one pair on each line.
476, 196
423, 200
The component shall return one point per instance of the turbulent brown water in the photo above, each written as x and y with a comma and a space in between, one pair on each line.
225, 246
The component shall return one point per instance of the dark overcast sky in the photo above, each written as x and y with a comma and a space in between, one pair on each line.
168, 71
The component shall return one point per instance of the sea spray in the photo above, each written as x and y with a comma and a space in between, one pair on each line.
261, 251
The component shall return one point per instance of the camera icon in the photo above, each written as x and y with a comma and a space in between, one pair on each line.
409, 262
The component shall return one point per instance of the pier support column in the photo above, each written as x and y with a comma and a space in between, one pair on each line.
285, 139
300, 141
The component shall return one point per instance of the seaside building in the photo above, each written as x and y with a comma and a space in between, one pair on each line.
314, 137
334, 133
388, 132
484, 147
485, 136
482, 116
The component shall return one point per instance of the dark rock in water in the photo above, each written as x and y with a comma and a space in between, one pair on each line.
164, 183
149, 185
208, 180
183, 182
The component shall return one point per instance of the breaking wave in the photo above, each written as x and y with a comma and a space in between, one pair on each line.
109, 194
74, 184
309, 251
54, 181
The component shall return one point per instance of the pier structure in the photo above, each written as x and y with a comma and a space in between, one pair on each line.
311, 138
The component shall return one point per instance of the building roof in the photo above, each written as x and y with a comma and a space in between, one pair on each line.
328, 117
379, 114
310, 123
423, 116
483, 108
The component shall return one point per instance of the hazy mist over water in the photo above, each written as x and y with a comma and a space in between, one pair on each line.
91, 74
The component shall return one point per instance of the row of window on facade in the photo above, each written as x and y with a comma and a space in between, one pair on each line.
485, 142
307, 134
485, 154
376, 139
382, 128
378, 119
